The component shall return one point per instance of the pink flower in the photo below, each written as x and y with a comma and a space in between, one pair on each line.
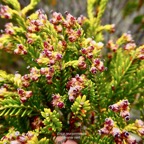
125, 114
115, 132
131, 140
5, 12
57, 101
141, 131
139, 123
103, 130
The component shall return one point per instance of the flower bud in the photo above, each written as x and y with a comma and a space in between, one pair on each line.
82, 65
112, 46
96, 62
93, 70
127, 37
21, 92
127, 118
124, 104
131, 140
28, 94
90, 48
103, 131
51, 70
9, 28
58, 28
48, 77
141, 131
141, 56
139, 123
79, 32
113, 87
72, 38
20, 46
89, 55
36, 123
70, 19
5, 12
58, 56
34, 74
112, 30
116, 132
21, 139
60, 104
52, 62
125, 134
71, 98
130, 46
109, 122
84, 51
25, 83
81, 20
26, 77
43, 71
46, 44
57, 16
23, 99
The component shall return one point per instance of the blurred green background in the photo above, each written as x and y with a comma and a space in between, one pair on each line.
127, 15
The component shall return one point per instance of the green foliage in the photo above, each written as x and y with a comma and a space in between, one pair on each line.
80, 107
76, 81
95, 27
51, 121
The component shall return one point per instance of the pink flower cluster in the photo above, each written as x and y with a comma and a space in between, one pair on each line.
48, 57
57, 101
82, 64
90, 52
35, 73
130, 46
35, 25
75, 85
48, 72
17, 138
108, 126
141, 53
139, 124
32, 76
36, 122
122, 107
5, 12
67, 25
21, 50
9, 28
24, 95
125, 38
97, 66
112, 46
119, 136
25, 80
91, 48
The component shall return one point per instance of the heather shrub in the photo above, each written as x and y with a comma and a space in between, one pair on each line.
79, 86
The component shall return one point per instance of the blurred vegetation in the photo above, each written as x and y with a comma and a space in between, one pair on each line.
127, 15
